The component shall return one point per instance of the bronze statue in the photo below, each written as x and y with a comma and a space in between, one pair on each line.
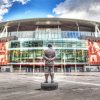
49, 57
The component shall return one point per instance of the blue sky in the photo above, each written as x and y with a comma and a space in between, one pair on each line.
32, 9
74, 9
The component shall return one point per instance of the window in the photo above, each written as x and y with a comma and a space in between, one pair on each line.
32, 44
15, 44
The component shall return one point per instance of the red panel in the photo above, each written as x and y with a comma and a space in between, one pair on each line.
93, 52
3, 53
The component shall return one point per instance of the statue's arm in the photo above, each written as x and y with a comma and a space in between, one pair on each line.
44, 57
52, 59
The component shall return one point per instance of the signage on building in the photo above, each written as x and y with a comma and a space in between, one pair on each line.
93, 52
3, 53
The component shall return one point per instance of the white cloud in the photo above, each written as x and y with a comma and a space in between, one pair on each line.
5, 1
1, 18
3, 11
95, 8
79, 9
6, 4
22, 1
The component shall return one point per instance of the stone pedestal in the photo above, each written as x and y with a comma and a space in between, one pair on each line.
49, 86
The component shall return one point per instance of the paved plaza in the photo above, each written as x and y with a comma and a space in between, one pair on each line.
72, 86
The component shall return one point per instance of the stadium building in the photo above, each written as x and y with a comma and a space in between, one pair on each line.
76, 42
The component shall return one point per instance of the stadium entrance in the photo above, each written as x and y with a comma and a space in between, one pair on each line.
74, 68
40, 68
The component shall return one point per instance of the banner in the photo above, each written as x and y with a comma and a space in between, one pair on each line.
3, 53
94, 52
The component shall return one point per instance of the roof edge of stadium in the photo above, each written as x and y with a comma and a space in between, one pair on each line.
51, 19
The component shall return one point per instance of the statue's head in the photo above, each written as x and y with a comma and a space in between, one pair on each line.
49, 45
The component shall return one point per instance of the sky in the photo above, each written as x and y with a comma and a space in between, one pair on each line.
73, 9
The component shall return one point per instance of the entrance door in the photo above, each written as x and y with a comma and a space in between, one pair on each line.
68, 69
29, 69
80, 69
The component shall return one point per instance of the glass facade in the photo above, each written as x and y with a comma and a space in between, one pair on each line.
27, 39
15, 44
34, 49
14, 56
36, 43
27, 51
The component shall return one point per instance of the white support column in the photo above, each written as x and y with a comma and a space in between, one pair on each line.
97, 31
76, 48
33, 68
64, 63
20, 68
62, 69
18, 27
75, 61
4, 32
77, 26
36, 32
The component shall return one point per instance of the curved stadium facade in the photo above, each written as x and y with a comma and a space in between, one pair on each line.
76, 43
